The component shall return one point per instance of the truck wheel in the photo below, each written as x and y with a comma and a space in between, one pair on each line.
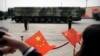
57, 20
43, 20
50, 20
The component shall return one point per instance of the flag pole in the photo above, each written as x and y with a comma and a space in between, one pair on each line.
74, 51
5, 5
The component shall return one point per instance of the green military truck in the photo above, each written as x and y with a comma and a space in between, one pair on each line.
46, 14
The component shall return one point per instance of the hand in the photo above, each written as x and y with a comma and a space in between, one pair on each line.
10, 40
14, 43
7, 50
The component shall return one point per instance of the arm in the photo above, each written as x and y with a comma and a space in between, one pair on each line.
22, 46
6, 50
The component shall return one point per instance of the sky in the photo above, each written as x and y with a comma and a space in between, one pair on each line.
5, 4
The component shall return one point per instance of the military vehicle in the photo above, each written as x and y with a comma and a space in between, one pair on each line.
46, 14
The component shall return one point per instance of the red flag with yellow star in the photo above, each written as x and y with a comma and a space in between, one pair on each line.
72, 36
38, 41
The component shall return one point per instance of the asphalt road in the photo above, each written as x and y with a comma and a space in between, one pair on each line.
52, 33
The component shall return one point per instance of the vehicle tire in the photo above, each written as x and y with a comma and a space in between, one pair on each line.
50, 20
43, 20
58, 20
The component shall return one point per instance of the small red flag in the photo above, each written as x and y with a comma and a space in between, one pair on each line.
38, 41
72, 36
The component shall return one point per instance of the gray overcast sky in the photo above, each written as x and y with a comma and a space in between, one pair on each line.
4, 4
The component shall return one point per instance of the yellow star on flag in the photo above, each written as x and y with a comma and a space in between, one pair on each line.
65, 34
38, 38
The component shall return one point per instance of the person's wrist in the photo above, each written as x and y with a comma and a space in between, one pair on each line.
22, 46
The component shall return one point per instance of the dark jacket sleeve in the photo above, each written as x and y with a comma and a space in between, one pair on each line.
31, 52
1, 53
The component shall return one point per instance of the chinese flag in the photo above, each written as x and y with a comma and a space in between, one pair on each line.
72, 36
38, 41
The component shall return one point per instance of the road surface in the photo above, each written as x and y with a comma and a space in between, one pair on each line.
52, 33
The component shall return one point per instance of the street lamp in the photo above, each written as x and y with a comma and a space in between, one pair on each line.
86, 8
61, 3
5, 4
86, 3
